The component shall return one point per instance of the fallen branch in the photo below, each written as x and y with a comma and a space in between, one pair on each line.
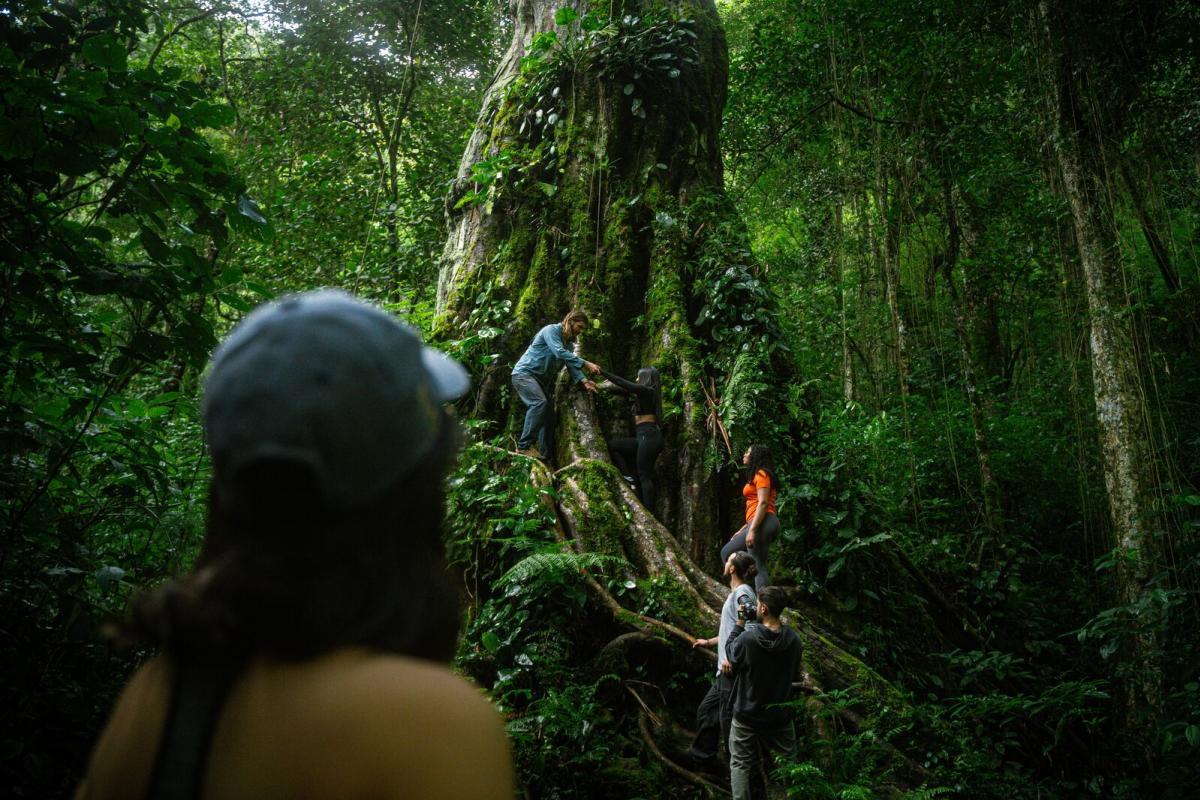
645, 708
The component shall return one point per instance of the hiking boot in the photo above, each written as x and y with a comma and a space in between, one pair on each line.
532, 452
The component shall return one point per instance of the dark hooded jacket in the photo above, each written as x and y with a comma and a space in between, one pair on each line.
764, 666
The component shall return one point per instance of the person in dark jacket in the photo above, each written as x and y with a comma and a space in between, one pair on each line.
635, 455
765, 657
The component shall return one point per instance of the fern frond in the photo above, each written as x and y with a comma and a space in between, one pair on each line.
559, 564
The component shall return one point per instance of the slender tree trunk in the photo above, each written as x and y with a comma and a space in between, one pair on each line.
866, 300
1124, 439
890, 212
889, 209
961, 240
1154, 240
839, 231
841, 283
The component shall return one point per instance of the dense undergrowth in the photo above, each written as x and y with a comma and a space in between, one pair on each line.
131, 240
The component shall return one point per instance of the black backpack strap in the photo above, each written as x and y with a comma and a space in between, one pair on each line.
196, 700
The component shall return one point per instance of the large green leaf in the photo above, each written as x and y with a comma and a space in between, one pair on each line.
106, 50
210, 115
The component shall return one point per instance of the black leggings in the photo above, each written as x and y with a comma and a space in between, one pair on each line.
639, 453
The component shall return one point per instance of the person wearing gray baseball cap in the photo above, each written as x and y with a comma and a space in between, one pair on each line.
304, 653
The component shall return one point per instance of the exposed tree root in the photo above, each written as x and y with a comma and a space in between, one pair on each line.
625, 641
590, 495
711, 789
648, 546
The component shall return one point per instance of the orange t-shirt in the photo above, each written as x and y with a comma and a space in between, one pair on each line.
750, 492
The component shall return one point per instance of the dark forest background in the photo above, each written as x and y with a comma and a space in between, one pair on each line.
976, 226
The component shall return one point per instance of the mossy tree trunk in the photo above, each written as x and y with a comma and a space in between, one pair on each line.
593, 180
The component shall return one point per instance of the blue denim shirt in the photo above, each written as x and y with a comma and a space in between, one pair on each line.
547, 354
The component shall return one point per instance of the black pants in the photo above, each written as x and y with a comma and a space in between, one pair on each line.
636, 456
714, 716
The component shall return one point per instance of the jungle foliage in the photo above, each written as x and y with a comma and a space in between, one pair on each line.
898, 169
164, 168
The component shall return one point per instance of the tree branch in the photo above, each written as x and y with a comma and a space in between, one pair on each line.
853, 109
197, 18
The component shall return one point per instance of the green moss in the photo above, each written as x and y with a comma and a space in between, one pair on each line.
536, 305
666, 311
870, 688
603, 526
572, 206
515, 253
618, 261
680, 604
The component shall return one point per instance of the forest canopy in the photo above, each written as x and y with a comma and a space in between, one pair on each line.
942, 257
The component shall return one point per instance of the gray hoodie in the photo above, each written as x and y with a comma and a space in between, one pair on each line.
764, 665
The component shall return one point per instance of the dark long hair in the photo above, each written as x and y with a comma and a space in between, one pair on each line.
760, 459
648, 376
292, 579
744, 566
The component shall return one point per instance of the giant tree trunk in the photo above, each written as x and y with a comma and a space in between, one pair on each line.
593, 180
1120, 415
611, 202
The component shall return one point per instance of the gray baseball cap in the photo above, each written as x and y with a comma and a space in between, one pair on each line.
327, 381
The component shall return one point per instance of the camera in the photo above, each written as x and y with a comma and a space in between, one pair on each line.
747, 609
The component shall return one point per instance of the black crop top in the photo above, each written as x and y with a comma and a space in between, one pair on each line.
645, 398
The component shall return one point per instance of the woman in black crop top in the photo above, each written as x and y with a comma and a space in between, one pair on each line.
635, 456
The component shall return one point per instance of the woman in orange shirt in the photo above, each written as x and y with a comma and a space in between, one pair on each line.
762, 525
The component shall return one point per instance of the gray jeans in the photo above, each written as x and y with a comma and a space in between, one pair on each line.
539, 414
767, 532
747, 747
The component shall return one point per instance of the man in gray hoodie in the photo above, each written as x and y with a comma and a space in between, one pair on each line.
765, 656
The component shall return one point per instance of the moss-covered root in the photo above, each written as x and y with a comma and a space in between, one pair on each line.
607, 518
584, 439
579, 434
830, 667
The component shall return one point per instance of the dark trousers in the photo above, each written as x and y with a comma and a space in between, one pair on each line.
714, 716
639, 453
539, 414
767, 532
748, 752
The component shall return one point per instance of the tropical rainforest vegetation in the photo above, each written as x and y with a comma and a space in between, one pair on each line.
942, 255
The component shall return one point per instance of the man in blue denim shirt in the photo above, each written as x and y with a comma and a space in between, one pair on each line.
533, 378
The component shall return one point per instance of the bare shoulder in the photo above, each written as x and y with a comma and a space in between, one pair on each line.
121, 762
433, 731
